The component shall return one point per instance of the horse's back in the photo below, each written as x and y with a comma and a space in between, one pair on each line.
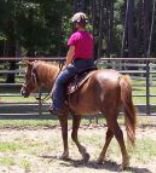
101, 88
106, 79
107, 75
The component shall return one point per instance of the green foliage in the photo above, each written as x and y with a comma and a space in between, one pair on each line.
2, 37
42, 27
38, 26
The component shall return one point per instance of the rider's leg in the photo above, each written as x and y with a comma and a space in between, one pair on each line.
61, 81
58, 93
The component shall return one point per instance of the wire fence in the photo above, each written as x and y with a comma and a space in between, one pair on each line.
141, 70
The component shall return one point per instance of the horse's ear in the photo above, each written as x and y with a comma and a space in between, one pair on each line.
27, 62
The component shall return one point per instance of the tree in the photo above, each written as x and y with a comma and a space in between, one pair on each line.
41, 28
33, 28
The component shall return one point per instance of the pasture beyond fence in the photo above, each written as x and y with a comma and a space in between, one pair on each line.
141, 70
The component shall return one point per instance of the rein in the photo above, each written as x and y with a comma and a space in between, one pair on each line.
48, 96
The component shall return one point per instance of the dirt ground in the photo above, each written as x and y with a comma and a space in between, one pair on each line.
38, 150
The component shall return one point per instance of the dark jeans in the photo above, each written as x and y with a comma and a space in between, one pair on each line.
59, 89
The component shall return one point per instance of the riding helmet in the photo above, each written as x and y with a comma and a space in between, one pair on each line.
79, 17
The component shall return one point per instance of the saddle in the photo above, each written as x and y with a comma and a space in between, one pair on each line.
79, 80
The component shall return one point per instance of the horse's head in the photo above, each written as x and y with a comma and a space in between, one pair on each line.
31, 79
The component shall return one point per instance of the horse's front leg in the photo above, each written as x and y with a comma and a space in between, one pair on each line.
64, 128
74, 135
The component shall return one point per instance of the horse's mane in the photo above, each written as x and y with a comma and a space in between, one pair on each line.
47, 72
48, 63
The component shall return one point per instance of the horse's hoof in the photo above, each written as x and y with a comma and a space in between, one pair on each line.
123, 167
120, 169
64, 156
86, 157
125, 164
100, 161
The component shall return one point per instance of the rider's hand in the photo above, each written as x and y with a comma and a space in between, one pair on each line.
64, 67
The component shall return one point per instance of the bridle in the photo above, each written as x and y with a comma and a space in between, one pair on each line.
35, 76
35, 79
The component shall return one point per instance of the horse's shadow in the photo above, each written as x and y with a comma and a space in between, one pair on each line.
107, 165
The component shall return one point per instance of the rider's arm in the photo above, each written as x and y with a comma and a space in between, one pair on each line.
70, 55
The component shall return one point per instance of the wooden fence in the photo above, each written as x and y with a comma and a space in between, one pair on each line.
142, 71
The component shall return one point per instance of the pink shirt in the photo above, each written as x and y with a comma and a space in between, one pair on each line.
83, 42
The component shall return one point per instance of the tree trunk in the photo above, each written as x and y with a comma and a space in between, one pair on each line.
101, 30
124, 37
147, 10
78, 5
12, 44
12, 64
151, 30
11, 77
95, 22
110, 35
130, 27
139, 30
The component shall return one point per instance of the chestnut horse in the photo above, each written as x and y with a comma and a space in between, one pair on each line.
106, 91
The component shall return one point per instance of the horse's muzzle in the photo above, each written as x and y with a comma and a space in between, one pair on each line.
23, 92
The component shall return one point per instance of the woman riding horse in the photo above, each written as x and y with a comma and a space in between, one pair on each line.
79, 58
105, 91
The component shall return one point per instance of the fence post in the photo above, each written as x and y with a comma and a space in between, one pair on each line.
148, 108
151, 69
40, 103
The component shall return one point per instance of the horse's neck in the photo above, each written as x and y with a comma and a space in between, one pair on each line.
48, 75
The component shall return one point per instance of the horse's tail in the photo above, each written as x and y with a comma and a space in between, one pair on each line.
128, 106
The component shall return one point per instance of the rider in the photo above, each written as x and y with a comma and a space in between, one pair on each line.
79, 57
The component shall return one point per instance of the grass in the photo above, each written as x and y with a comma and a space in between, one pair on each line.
26, 142
11, 123
10, 147
53, 122
25, 164
18, 99
6, 161
34, 148
142, 91
145, 150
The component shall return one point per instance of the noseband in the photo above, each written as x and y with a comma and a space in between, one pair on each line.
34, 76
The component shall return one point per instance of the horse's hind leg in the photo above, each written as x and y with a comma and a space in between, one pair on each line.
74, 135
108, 138
116, 130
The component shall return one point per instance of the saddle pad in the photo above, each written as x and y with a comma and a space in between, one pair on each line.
78, 81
